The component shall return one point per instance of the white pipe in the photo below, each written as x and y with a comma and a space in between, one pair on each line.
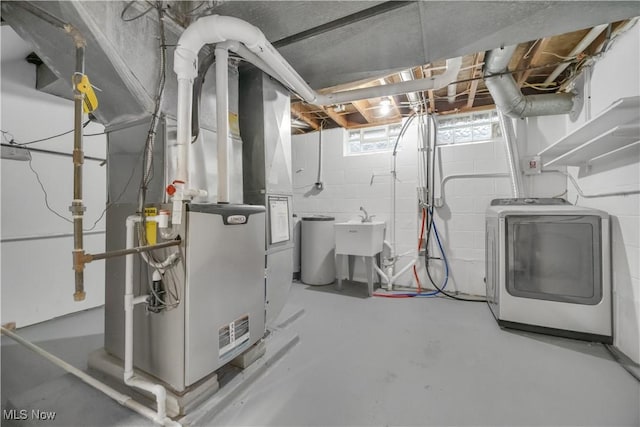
441, 199
249, 56
122, 399
405, 76
581, 46
222, 120
129, 303
451, 93
215, 29
389, 277
183, 136
430, 83
513, 157
591, 196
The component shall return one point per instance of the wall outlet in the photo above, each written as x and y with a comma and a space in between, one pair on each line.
531, 165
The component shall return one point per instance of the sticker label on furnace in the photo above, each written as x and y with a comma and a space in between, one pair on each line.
233, 335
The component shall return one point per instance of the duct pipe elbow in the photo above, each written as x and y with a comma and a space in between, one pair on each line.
210, 30
507, 95
450, 74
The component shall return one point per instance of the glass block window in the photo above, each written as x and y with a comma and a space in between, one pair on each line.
371, 140
471, 127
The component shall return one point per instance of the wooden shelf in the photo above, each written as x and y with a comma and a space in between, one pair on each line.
613, 129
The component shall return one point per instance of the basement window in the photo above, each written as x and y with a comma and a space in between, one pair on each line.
371, 140
468, 128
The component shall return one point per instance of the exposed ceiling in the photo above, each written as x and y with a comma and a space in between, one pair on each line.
534, 65
336, 45
343, 45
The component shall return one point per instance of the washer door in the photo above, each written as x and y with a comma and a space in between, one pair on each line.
555, 258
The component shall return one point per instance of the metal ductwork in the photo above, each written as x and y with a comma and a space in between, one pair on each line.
507, 95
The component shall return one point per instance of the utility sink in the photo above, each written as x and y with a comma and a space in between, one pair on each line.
359, 238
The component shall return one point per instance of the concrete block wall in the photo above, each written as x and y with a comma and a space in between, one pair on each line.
603, 84
460, 221
609, 81
348, 185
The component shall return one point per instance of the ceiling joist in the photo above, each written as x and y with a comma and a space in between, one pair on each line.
532, 59
300, 113
477, 73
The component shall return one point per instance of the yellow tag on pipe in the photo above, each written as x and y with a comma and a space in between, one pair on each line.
90, 98
151, 226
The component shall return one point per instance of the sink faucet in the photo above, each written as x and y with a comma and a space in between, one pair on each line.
366, 217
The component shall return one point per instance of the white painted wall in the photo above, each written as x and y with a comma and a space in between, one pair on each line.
609, 80
37, 277
616, 75
460, 221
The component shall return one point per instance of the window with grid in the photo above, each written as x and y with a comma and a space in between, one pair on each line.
371, 140
465, 128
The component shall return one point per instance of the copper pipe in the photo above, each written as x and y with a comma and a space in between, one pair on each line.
137, 250
77, 207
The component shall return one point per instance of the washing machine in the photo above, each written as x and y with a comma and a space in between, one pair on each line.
548, 268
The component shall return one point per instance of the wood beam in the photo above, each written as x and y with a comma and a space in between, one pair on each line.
377, 123
395, 107
532, 59
339, 119
364, 109
298, 110
476, 74
468, 109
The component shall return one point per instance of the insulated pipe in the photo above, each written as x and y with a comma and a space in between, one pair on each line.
129, 303
222, 120
122, 399
508, 97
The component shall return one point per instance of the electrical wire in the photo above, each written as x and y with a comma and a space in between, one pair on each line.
140, 15
46, 201
147, 160
13, 141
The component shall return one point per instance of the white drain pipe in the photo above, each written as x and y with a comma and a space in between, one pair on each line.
122, 399
222, 121
129, 303
215, 29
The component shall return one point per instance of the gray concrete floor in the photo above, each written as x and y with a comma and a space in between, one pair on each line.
366, 361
